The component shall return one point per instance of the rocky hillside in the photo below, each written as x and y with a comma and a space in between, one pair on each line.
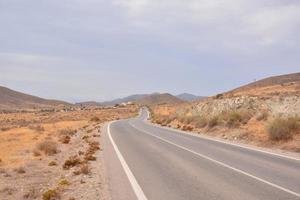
276, 85
10, 99
265, 113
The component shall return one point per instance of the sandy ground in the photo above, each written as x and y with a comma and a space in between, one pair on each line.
74, 171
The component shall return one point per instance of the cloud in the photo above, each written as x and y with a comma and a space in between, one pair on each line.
103, 49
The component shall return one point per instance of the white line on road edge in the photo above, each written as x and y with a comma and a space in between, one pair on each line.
193, 134
220, 163
136, 187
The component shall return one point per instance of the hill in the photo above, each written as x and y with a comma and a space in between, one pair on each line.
284, 84
157, 99
10, 99
189, 97
131, 98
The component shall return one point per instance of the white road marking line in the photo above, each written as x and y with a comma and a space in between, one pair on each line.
136, 187
224, 142
220, 163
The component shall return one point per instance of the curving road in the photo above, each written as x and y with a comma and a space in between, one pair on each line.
144, 161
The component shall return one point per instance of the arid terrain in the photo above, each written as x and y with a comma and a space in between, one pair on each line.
264, 113
52, 149
51, 155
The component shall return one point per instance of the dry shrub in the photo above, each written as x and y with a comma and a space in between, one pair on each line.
51, 194
65, 139
71, 162
36, 153
20, 170
89, 157
84, 169
236, 118
283, 129
89, 131
5, 128
199, 122
49, 147
219, 96
263, 116
52, 163
85, 137
37, 128
187, 128
69, 132
95, 119
93, 147
64, 182
214, 121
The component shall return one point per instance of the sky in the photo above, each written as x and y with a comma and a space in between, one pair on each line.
79, 50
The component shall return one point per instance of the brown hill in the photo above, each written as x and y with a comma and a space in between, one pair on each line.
284, 84
158, 99
10, 99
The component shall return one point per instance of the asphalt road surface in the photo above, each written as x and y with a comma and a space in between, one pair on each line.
144, 161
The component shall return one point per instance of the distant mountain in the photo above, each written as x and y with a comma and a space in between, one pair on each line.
131, 98
189, 97
155, 99
10, 99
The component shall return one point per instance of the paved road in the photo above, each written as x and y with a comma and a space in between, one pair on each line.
145, 161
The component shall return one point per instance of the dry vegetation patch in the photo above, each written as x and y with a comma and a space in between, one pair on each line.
49, 145
283, 129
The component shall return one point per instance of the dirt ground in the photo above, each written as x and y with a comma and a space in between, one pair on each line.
54, 155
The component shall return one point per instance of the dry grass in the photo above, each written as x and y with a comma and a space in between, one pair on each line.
236, 118
49, 147
37, 128
26, 146
283, 129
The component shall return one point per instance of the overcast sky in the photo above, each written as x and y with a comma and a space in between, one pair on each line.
79, 50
